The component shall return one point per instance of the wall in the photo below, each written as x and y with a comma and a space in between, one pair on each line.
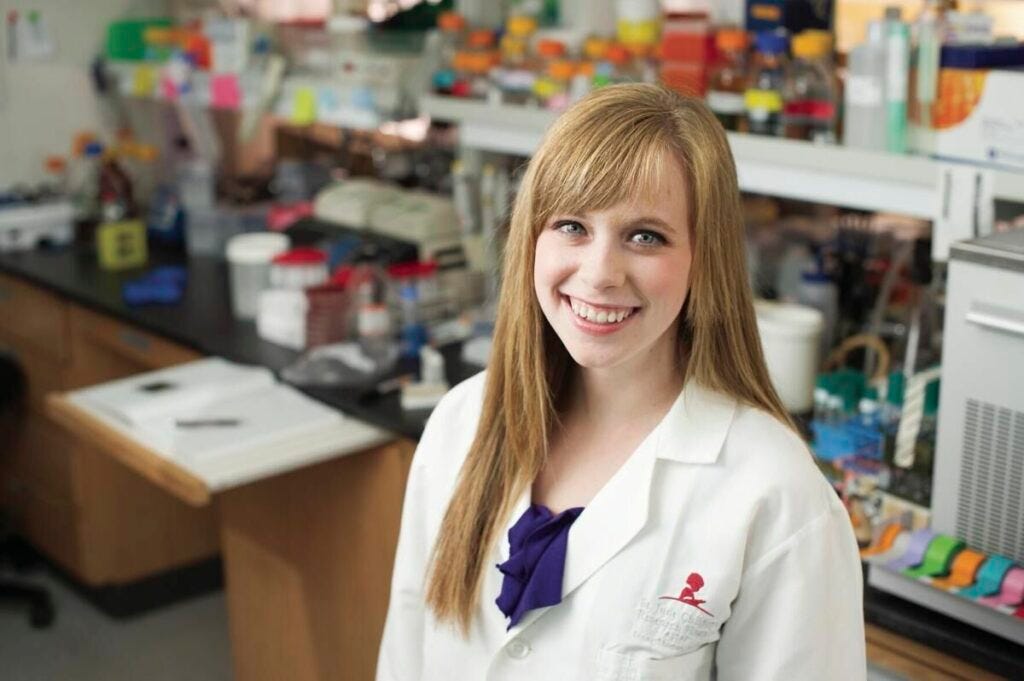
43, 104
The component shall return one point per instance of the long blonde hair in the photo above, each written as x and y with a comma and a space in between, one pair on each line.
602, 151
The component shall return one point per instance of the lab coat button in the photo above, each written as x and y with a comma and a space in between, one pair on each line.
518, 649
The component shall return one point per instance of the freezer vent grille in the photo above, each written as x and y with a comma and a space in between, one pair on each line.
990, 512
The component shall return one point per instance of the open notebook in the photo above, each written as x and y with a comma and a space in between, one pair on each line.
227, 423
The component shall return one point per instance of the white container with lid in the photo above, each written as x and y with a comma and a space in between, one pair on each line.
790, 338
249, 257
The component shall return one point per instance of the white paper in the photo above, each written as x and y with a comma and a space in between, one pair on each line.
30, 38
186, 388
966, 206
244, 425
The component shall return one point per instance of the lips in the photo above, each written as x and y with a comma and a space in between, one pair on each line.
598, 318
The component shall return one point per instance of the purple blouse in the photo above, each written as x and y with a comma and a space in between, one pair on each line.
536, 561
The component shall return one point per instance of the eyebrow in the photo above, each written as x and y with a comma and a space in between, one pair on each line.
650, 221
643, 221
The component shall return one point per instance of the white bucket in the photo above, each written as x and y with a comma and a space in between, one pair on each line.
249, 257
790, 337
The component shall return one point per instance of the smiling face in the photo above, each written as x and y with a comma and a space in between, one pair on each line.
612, 282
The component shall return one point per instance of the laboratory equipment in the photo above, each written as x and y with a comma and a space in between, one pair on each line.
979, 460
809, 92
790, 337
26, 225
763, 99
298, 269
249, 257
728, 80
121, 244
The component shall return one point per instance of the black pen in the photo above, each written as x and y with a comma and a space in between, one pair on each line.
202, 423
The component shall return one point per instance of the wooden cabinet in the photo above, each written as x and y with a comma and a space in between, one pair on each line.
102, 522
308, 558
35, 316
903, 658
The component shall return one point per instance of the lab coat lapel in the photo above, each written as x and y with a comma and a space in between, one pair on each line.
693, 431
611, 520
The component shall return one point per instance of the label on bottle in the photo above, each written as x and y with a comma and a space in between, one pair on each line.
811, 109
763, 101
725, 102
897, 68
863, 91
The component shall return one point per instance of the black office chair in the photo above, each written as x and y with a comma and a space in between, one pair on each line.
12, 392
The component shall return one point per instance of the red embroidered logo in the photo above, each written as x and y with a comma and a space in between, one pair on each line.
688, 595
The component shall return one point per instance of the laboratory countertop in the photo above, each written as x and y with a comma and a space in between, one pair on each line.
202, 320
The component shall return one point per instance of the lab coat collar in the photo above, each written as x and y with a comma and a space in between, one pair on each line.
693, 431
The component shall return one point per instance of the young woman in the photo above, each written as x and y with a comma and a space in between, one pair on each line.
621, 495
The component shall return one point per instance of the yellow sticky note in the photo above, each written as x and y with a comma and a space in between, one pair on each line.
143, 81
304, 106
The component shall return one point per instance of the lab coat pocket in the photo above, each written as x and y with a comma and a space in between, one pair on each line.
614, 665
674, 627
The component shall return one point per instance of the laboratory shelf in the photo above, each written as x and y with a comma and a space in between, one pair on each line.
830, 174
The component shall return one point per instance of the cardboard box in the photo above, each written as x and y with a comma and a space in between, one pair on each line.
979, 116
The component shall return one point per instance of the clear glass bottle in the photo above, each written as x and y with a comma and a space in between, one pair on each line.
452, 26
728, 81
864, 120
762, 100
809, 93
515, 44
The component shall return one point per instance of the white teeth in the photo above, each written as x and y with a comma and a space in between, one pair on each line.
598, 316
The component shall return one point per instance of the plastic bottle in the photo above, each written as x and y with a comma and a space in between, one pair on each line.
452, 26
57, 176
373, 322
897, 35
116, 199
928, 29
84, 182
728, 81
618, 65
556, 81
762, 100
864, 122
638, 22
809, 94
869, 412
515, 44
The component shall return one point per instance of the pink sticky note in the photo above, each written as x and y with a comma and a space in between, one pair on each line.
224, 91
168, 89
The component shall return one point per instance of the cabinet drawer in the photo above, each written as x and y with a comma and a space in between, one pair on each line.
34, 315
43, 373
111, 349
40, 456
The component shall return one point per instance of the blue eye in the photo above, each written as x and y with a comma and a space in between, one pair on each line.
570, 227
647, 238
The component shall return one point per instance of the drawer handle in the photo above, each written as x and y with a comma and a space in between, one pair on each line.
996, 318
134, 340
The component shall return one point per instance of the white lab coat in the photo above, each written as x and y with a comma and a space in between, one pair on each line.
717, 489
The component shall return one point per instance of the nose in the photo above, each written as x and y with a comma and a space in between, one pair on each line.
603, 265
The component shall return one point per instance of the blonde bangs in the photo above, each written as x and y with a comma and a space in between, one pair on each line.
598, 163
